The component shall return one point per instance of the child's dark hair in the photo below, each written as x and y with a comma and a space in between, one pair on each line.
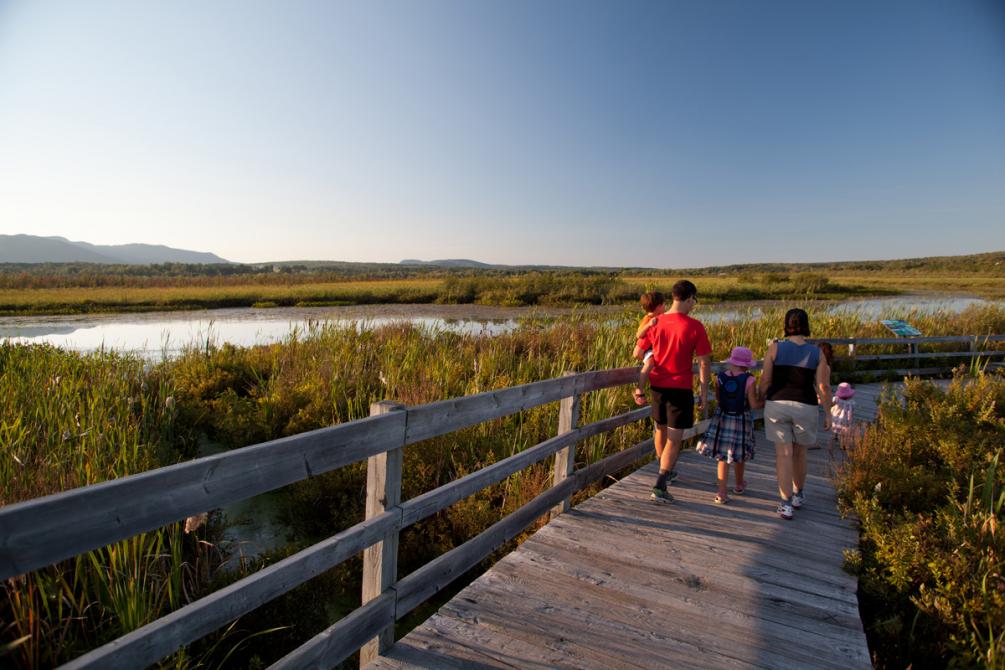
650, 300
683, 290
797, 322
828, 351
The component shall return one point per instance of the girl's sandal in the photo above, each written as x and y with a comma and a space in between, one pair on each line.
719, 500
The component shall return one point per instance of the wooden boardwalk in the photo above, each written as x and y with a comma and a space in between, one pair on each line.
622, 582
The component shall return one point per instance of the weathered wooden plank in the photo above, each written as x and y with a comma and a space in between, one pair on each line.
433, 647
428, 580
658, 583
380, 561
446, 416
725, 547
431, 502
751, 508
565, 458
435, 575
148, 644
751, 517
684, 540
932, 354
46, 530
755, 578
495, 646
598, 595
601, 379
905, 340
579, 628
341, 639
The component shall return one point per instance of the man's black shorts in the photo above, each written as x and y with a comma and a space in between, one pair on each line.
672, 407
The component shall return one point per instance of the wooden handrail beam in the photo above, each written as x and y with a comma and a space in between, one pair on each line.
46, 530
440, 498
152, 642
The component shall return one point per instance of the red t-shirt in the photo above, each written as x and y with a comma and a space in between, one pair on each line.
675, 340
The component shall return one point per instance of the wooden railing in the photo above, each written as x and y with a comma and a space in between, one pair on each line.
975, 350
40, 532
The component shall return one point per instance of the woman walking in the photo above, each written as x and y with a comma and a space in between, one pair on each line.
795, 381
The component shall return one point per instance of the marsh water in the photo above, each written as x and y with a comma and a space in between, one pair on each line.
158, 335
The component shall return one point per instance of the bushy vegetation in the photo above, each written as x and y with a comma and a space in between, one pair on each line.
928, 483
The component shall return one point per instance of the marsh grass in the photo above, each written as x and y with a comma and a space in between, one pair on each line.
69, 419
927, 483
124, 294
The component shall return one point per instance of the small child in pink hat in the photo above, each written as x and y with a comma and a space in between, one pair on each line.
843, 413
730, 435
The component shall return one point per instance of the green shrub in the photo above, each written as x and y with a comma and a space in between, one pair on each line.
927, 484
809, 283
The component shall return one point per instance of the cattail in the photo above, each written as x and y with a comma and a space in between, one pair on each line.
193, 523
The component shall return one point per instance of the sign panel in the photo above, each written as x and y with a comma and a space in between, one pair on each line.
901, 328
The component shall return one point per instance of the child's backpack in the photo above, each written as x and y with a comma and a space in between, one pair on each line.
732, 392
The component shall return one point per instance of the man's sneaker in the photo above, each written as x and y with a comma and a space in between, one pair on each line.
798, 499
785, 511
661, 496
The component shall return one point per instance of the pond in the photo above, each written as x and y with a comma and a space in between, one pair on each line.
157, 335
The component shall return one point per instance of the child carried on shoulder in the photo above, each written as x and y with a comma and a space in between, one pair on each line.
730, 434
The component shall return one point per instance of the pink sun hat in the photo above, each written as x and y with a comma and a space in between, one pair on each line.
741, 357
845, 391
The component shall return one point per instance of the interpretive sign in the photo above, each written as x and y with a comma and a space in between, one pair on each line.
901, 328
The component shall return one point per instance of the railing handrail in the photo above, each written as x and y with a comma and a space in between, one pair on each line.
46, 530
935, 339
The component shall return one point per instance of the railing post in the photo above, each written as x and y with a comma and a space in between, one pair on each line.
565, 460
380, 561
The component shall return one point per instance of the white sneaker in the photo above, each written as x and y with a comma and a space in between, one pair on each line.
798, 499
785, 511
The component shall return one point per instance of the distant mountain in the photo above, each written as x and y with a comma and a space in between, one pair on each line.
35, 249
453, 263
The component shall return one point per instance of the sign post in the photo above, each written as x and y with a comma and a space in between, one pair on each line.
904, 329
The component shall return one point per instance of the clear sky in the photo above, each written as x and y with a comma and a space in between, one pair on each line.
664, 134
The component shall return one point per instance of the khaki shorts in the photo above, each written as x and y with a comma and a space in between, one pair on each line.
789, 421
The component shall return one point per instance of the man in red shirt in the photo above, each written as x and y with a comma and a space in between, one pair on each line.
675, 339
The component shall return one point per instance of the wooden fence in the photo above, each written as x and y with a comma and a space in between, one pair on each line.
40, 532
975, 352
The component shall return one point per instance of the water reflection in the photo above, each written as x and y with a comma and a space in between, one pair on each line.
158, 335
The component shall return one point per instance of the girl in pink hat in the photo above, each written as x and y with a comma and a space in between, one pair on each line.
730, 435
843, 413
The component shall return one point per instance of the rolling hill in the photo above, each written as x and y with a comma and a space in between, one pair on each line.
35, 249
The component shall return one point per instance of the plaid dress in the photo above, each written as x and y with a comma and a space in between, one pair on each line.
730, 437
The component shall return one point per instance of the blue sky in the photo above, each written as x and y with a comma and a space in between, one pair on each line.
663, 134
